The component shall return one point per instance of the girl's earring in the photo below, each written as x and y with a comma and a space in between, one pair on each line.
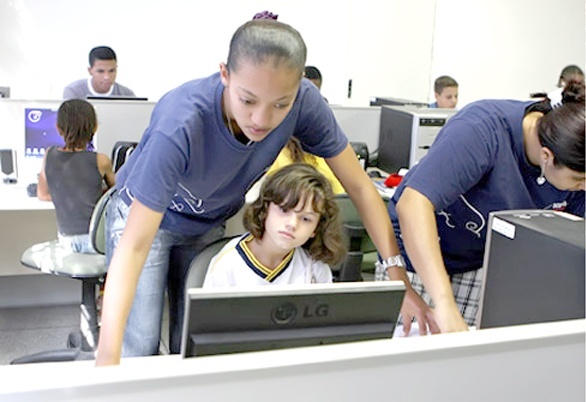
541, 179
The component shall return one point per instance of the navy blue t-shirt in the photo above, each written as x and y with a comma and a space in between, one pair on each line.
477, 165
189, 166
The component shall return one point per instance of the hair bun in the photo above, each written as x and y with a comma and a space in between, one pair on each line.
265, 15
573, 92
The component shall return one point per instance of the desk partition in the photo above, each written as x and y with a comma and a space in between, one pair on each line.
538, 362
361, 124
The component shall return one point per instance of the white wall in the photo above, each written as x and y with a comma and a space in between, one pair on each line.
494, 48
506, 49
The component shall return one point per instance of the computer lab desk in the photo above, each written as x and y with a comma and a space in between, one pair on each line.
538, 362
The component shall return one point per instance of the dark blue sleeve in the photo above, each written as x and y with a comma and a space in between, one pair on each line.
316, 127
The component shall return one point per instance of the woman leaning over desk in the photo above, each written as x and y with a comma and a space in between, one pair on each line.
492, 155
207, 142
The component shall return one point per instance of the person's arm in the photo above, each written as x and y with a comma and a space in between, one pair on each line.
123, 273
419, 233
106, 170
43, 193
376, 220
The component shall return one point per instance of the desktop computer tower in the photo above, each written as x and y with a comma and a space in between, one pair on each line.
533, 268
8, 165
391, 101
406, 133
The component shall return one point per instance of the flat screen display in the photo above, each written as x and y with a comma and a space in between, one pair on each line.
40, 131
231, 320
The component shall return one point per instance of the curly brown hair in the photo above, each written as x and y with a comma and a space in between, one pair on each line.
295, 183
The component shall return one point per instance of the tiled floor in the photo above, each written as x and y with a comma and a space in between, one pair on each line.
34, 329
29, 330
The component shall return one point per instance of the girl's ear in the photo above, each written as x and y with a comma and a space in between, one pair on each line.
224, 74
545, 155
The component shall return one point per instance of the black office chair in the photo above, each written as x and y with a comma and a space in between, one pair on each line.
361, 251
199, 266
51, 258
120, 153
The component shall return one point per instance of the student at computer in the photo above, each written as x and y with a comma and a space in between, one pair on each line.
294, 234
569, 73
208, 141
73, 177
103, 69
493, 155
445, 90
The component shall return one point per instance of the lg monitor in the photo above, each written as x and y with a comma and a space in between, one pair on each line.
533, 268
230, 320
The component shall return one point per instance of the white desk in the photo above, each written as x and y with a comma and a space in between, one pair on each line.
539, 362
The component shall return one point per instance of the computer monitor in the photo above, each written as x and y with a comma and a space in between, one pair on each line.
40, 126
533, 268
231, 320
123, 98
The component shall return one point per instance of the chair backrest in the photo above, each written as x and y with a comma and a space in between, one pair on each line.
120, 152
199, 265
97, 229
353, 225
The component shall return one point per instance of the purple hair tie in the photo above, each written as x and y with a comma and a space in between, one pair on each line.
265, 15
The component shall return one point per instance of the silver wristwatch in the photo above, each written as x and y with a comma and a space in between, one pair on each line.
394, 261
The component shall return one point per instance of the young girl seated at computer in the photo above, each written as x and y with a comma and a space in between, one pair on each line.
73, 177
294, 234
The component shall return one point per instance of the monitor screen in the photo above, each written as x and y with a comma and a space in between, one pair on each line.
230, 320
40, 132
533, 268
40, 127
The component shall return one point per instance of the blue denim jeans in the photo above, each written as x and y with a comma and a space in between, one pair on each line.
166, 268
77, 243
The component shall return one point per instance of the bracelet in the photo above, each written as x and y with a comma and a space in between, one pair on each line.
395, 261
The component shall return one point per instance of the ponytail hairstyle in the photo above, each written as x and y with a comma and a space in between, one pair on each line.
562, 129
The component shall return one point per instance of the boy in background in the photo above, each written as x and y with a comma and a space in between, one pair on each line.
446, 93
